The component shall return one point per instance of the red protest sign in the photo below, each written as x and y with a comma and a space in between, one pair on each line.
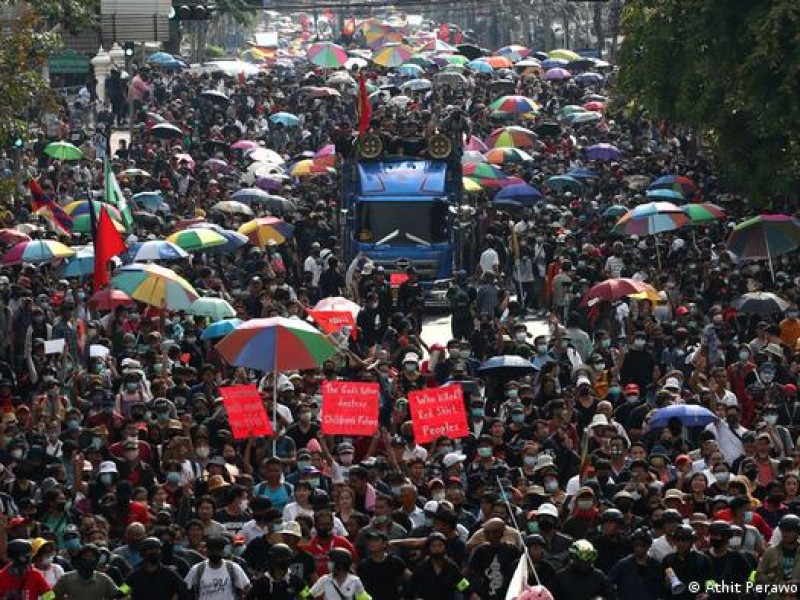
246, 413
437, 412
397, 279
331, 321
349, 408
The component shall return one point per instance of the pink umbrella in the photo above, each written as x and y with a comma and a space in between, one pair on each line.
476, 144
244, 145
328, 150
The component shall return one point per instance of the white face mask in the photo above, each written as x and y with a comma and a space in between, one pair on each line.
346, 459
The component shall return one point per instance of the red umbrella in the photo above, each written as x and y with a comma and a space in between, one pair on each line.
614, 289
13, 236
109, 299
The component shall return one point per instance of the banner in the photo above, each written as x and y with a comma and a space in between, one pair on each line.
246, 413
437, 412
349, 408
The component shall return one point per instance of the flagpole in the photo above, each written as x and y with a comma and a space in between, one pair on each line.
275, 403
510, 509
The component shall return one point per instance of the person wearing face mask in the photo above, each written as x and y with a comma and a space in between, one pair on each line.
43, 553
729, 433
133, 469
152, 580
638, 363
438, 577
325, 540
216, 577
773, 508
580, 579
584, 516
790, 327
19, 578
727, 566
86, 581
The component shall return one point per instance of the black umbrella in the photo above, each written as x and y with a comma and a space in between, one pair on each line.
580, 65
166, 131
146, 219
215, 96
471, 51
214, 146
547, 128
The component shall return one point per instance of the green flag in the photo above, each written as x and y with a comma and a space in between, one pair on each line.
115, 197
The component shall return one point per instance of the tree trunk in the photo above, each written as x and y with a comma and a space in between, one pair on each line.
598, 28
616, 9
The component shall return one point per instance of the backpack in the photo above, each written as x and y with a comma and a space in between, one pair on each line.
199, 578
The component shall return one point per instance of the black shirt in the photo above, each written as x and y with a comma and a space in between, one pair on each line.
491, 568
383, 579
163, 583
266, 588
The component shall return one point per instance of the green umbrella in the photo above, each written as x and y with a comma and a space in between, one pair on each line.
63, 151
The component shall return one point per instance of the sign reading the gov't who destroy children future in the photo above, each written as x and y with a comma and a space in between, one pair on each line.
246, 413
437, 412
349, 408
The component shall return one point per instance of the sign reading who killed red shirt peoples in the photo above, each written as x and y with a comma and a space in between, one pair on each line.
246, 413
438, 412
349, 408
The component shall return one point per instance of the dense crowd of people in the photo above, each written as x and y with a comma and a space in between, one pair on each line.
119, 475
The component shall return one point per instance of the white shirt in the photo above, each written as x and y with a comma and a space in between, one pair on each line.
326, 588
52, 573
314, 266
489, 260
216, 584
729, 443
660, 548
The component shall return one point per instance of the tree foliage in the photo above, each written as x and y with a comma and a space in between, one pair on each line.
239, 10
729, 69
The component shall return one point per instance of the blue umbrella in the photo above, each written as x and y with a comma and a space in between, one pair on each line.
520, 193
80, 265
220, 329
664, 194
410, 69
155, 250
506, 364
480, 66
690, 415
560, 183
250, 195
149, 200
589, 78
161, 58
235, 239
285, 119
602, 152
554, 63
581, 173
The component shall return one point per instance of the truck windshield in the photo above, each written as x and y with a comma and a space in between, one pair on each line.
401, 223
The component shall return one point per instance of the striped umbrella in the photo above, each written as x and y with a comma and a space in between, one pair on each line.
81, 207
155, 285
197, 240
327, 55
514, 105
764, 237
392, 55
703, 212
263, 229
36, 251
500, 156
155, 250
651, 219
482, 171
511, 137
83, 224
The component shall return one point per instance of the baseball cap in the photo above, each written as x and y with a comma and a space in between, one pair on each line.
547, 509
452, 458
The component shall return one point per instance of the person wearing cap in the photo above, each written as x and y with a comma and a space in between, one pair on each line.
18, 578
584, 514
86, 581
43, 552
727, 565
217, 576
638, 575
382, 573
153, 580
612, 543
686, 563
772, 569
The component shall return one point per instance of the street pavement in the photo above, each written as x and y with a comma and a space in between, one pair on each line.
436, 329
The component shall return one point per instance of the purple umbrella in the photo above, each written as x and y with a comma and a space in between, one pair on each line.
268, 184
557, 74
602, 152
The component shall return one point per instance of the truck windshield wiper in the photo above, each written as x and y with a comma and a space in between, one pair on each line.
391, 236
418, 240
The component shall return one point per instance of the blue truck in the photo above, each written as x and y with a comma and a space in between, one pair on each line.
401, 211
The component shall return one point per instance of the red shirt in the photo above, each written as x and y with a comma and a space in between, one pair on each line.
319, 550
30, 586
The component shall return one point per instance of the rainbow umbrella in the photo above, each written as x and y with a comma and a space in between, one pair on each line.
471, 186
327, 55
472, 157
197, 240
155, 285
308, 167
514, 105
276, 344
497, 183
511, 137
764, 237
703, 212
36, 251
392, 55
476, 144
482, 171
651, 219
83, 224
215, 309
233, 239
567, 55
501, 156
263, 229
81, 207
220, 329
680, 183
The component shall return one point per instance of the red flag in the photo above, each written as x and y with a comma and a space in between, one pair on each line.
364, 107
107, 244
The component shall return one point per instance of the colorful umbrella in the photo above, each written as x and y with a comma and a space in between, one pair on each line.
276, 344
81, 207
13, 236
260, 231
681, 183
514, 105
665, 194
36, 251
392, 55
338, 304
155, 285
482, 171
500, 156
471, 157
327, 55
651, 219
614, 289
83, 224
497, 62
471, 186
703, 212
197, 240
155, 250
476, 144
232, 207
215, 309
604, 152
63, 151
109, 299
233, 239
220, 329
512, 137
309, 167
765, 237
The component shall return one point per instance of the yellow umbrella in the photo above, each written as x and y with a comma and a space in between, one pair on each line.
309, 167
563, 54
470, 185
263, 229
649, 293
197, 240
